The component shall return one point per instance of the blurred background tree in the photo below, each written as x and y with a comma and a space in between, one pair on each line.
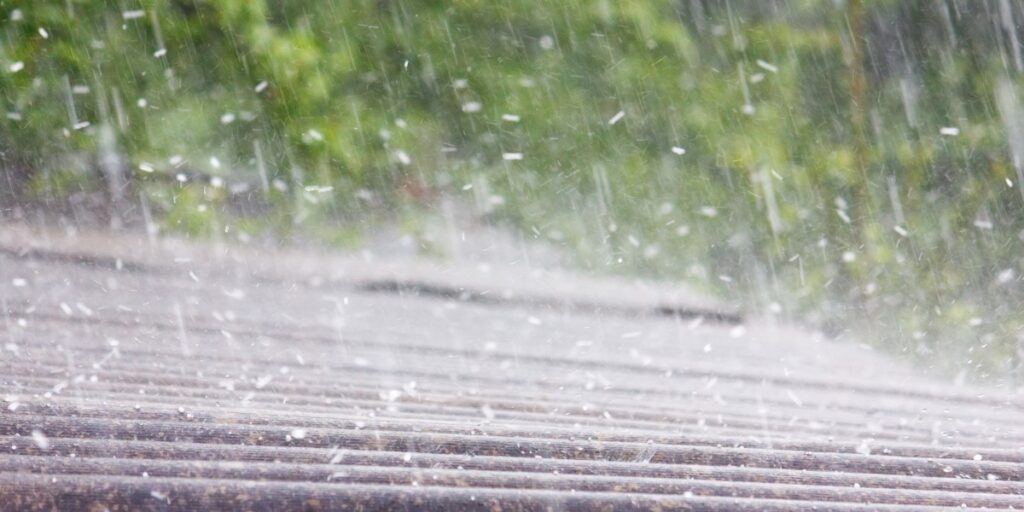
854, 164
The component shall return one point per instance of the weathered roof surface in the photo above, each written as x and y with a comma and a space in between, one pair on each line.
140, 375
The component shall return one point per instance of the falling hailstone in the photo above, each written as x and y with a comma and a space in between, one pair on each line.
767, 66
40, 439
487, 411
863, 448
312, 135
709, 211
1006, 276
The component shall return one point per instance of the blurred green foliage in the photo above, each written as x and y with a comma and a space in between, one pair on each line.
847, 163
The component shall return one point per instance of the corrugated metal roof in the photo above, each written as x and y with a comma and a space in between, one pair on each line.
163, 377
